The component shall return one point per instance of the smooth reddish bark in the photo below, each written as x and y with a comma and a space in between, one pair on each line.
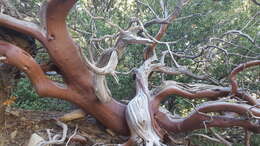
79, 86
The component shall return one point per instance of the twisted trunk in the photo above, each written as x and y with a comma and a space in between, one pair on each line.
141, 118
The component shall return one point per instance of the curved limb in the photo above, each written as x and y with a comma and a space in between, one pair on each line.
177, 70
108, 68
66, 55
234, 84
25, 27
177, 10
101, 89
191, 91
139, 115
53, 14
256, 2
22, 60
242, 34
106, 65
55, 139
199, 119
238, 69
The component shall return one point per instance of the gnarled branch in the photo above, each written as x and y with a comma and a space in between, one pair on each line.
196, 120
22, 60
150, 50
25, 27
191, 91
234, 83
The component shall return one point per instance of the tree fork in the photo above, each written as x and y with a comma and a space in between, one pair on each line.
79, 84
69, 60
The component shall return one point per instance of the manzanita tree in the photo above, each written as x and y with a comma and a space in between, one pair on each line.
141, 118
8, 73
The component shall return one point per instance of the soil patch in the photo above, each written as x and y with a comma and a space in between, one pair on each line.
21, 124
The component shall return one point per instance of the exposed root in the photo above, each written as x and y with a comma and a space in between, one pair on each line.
140, 122
206, 137
223, 140
75, 132
55, 139
138, 114
248, 135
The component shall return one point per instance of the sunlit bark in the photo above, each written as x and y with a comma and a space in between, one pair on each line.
85, 84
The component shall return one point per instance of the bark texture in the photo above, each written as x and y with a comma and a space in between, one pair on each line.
8, 74
85, 84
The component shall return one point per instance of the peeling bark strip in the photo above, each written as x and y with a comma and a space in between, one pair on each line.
138, 113
85, 83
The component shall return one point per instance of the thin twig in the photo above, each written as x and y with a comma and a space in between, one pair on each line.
223, 140
75, 132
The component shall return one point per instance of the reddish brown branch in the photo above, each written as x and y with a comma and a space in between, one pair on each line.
198, 121
234, 84
211, 92
23, 27
110, 114
177, 10
22, 60
238, 69
188, 91
66, 55
62, 49
156, 21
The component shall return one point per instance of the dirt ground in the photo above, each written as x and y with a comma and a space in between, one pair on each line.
21, 124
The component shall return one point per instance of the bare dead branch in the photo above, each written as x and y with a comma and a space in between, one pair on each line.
250, 21
243, 35
206, 136
223, 140
180, 69
155, 21
192, 15
228, 42
105, 37
248, 135
74, 133
149, 7
256, 2
103, 19
54, 139
109, 68
75, 114
164, 27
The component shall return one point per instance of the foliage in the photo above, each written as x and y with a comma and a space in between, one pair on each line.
28, 99
211, 19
